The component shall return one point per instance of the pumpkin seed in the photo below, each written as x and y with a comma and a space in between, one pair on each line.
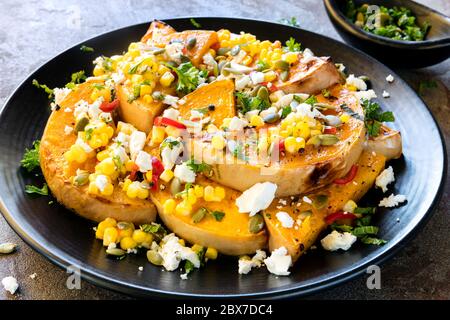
154, 257
115, 252
325, 106
304, 214
282, 65
7, 247
271, 118
333, 120
215, 69
328, 139
199, 215
184, 59
223, 51
235, 50
158, 51
175, 186
284, 75
320, 201
256, 223
315, 140
263, 93
122, 225
81, 124
191, 43
81, 178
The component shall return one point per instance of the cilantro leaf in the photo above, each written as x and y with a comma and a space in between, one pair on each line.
154, 229
76, 78
311, 100
372, 240
364, 230
246, 102
195, 23
218, 215
30, 189
86, 48
373, 117
341, 227
198, 167
286, 111
44, 87
189, 77
188, 267
30, 160
292, 45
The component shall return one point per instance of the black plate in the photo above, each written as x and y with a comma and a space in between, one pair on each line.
67, 239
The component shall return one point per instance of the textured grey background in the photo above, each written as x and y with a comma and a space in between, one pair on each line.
31, 32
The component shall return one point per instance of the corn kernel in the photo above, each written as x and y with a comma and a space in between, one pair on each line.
128, 243
166, 79
76, 153
108, 222
133, 189
351, 87
209, 194
350, 206
92, 189
166, 175
129, 165
212, 52
183, 208
219, 192
110, 236
198, 190
169, 206
137, 78
191, 198
290, 145
211, 128
218, 142
142, 237
247, 60
108, 190
256, 121
211, 253
303, 130
145, 89
163, 69
102, 155
171, 131
344, 118
106, 167
226, 123
142, 193
315, 132
197, 248
98, 71
290, 57
149, 175
270, 76
147, 98
158, 134
126, 184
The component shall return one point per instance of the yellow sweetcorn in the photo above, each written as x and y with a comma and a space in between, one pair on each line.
108, 222
102, 155
169, 206
126, 184
106, 167
290, 57
166, 175
247, 61
218, 142
190, 196
103, 92
98, 71
76, 153
198, 190
110, 236
214, 194
136, 79
137, 190
125, 128
270, 76
128, 243
182, 242
315, 132
147, 98
149, 175
211, 253
93, 188
226, 123
166, 79
197, 248
158, 135
142, 237
344, 118
183, 208
145, 90
350, 206
256, 121
293, 145
219, 192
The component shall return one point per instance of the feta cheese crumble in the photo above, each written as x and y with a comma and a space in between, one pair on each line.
285, 219
184, 276
171, 113
356, 82
385, 178
307, 200
101, 181
368, 95
172, 253
390, 78
184, 173
237, 124
137, 142
336, 240
68, 130
170, 153
144, 161
246, 265
256, 198
10, 284
279, 262
392, 201
385, 94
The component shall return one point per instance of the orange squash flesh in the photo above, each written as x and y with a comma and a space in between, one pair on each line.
299, 241
156, 31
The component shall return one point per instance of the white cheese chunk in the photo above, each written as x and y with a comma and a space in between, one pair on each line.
390, 78
285, 219
101, 181
279, 262
384, 178
68, 130
336, 240
237, 124
10, 284
246, 265
137, 142
184, 173
392, 201
170, 153
241, 82
356, 82
144, 161
60, 94
170, 100
172, 253
368, 95
171, 113
257, 77
256, 198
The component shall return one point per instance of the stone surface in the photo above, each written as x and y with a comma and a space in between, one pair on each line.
32, 32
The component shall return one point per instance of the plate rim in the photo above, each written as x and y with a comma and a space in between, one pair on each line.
62, 260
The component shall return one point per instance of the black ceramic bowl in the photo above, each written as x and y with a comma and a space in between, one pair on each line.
396, 53
66, 239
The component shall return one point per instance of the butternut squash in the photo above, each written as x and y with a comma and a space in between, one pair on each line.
54, 143
157, 31
298, 241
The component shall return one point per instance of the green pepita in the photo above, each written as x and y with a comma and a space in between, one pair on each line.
8, 247
115, 252
81, 178
324, 106
282, 65
81, 124
320, 201
199, 215
154, 257
122, 225
328, 139
175, 186
256, 223
191, 43
223, 51
271, 118
263, 93
235, 50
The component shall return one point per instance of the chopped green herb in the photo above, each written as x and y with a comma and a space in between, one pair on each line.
189, 77
364, 221
372, 240
426, 84
341, 227
373, 117
218, 215
368, 210
88, 133
198, 167
326, 93
76, 78
86, 48
155, 229
188, 267
365, 230
311, 100
262, 65
98, 86
36, 190
30, 160
290, 22
168, 142
107, 63
286, 110
246, 102
195, 23
292, 45
44, 87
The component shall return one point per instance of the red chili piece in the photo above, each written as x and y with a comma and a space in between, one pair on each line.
349, 177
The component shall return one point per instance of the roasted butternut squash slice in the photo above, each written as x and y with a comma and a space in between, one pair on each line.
387, 143
298, 240
215, 100
311, 77
229, 236
137, 112
156, 31
55, 143
302, 173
